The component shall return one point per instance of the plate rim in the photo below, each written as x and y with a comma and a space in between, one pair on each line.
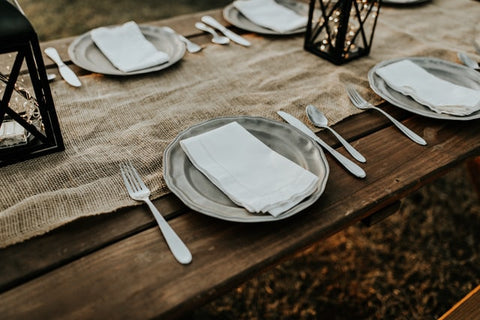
143, 27
426, 112
186, 199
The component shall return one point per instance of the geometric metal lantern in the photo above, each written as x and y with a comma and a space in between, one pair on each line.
28, 122
341, 30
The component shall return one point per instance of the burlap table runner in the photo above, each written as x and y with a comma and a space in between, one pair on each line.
112, 119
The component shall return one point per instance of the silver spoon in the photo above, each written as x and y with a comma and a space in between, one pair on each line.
320, 121
191, 47
466, 60
218, 39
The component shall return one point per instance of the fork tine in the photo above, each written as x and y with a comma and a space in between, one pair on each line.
132, 178
354, 95
137, 177
126, 181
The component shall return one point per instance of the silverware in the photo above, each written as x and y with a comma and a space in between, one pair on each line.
228, 33
191, 46
51, 77
361, 103
347, 163
466, 60
140, 192
218, 39
64, 70
319, 120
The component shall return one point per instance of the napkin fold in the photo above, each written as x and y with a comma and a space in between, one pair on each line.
270, 14
250, 173
127, 48
439, 95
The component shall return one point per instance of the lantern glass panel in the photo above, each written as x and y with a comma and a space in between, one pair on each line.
341, 30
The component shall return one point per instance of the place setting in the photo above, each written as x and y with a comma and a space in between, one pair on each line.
129, 49
268, 17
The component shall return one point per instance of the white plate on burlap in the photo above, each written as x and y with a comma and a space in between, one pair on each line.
236, 18
449, 71
201, 195
85, 54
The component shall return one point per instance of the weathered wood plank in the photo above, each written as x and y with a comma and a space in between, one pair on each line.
138, 278
467, 308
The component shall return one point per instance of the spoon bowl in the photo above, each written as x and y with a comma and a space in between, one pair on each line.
316, 117
218, 39
320, 120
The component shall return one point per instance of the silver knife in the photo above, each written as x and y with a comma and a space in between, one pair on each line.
64, 70
229, 34
347, 163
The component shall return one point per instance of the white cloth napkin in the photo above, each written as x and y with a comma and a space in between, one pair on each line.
439, 95
250, 173
270, 14
126, 47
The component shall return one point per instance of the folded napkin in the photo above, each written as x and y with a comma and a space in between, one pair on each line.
439, 95
270, 14
126, 47
250, 173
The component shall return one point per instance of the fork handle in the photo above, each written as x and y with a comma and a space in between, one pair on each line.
176, 245
409, 133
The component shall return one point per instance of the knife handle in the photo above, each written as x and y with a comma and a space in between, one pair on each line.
53, 54
351, 166
213, 23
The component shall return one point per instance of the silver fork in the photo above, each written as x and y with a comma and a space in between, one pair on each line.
361, 103
140, 192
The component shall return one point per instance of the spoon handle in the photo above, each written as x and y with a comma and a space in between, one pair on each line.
357, 155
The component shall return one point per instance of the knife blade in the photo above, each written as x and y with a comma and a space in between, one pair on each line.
66, 73
228, 33
347, 163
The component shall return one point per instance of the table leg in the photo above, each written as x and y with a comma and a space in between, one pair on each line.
473, 166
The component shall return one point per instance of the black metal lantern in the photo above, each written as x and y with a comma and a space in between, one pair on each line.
28, 121
341, 30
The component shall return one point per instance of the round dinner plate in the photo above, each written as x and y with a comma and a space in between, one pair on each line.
404, 2
453, 72
236, 18
198, 193
85, 54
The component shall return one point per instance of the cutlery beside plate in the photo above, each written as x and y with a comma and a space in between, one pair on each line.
67, 74
352, 167
228, 33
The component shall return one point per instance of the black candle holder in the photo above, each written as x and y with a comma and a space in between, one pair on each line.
341, 30
28, 122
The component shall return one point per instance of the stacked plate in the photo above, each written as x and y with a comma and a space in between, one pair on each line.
201, 195
454, 73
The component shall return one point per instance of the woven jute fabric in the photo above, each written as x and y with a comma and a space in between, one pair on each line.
112, 119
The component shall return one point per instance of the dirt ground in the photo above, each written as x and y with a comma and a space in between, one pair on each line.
414, 265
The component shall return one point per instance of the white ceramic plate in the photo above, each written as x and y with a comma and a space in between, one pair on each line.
236, 18
453, 72
198, 193
85, 54
404, 2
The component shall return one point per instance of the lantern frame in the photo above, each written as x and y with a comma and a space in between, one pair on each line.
17, 36
336, 46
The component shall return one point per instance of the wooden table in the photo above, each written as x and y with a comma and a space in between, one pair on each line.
118, 266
